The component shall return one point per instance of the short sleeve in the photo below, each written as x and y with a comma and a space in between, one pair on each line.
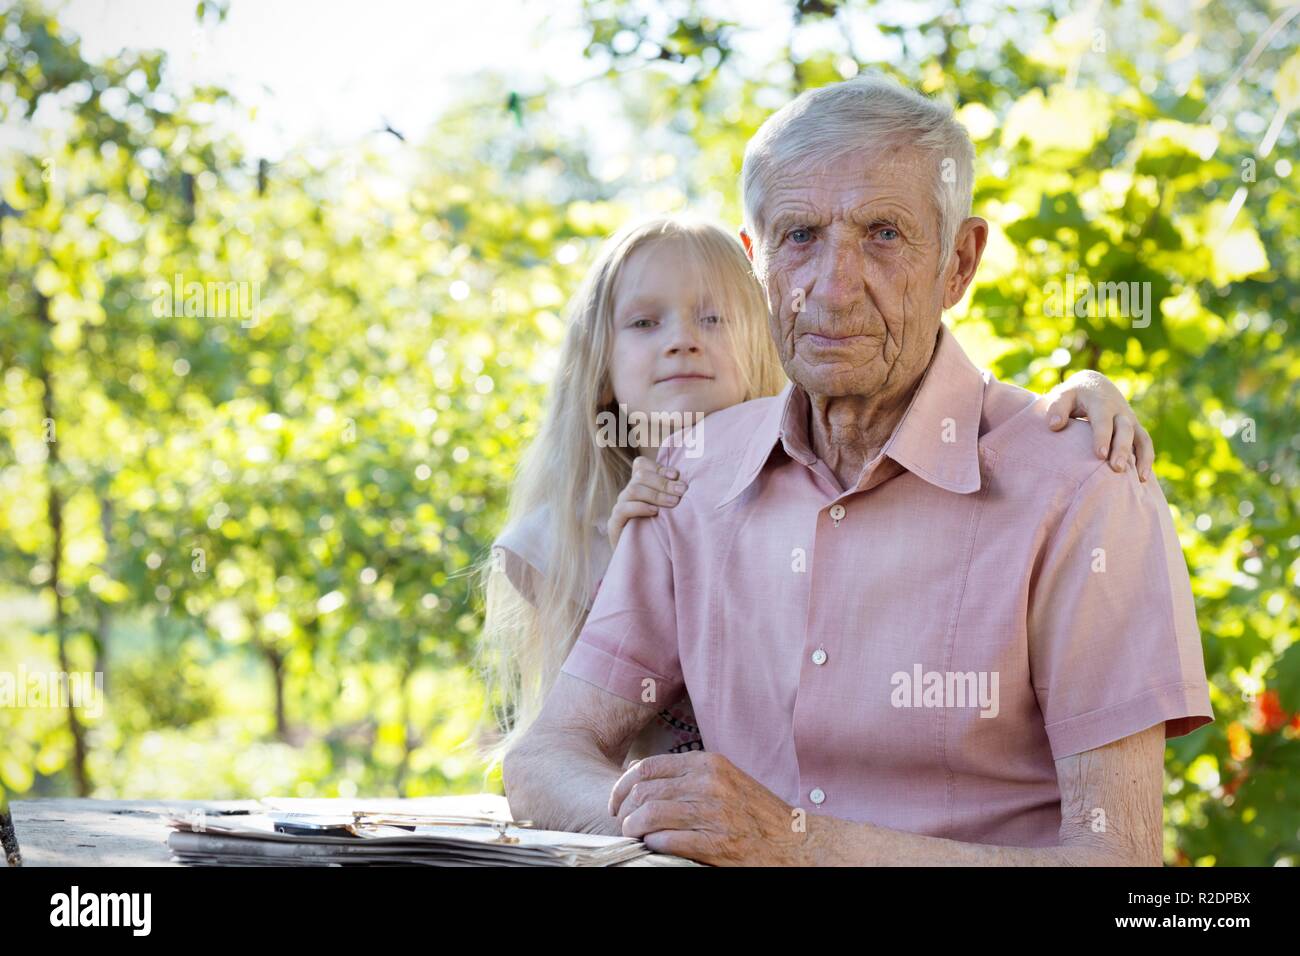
628, 645
1114, 646
523, 577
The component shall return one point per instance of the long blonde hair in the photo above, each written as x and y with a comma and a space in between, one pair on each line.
578, 479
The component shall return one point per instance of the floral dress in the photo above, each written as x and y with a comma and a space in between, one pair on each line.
677, 729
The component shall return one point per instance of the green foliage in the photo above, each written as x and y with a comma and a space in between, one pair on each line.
266, 522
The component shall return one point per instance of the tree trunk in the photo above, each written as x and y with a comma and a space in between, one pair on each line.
54, 511
276, 660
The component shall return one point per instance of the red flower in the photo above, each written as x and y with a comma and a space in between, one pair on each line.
1269, 715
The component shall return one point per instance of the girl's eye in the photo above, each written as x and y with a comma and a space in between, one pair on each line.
799, 236
711, 319
642, 323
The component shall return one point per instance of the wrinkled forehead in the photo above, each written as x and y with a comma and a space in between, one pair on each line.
894, 174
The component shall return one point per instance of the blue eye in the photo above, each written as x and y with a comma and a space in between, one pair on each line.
896, 234
636, 323
711, 319
794, 234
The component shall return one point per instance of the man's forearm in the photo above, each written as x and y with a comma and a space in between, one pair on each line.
836, 842
558, 785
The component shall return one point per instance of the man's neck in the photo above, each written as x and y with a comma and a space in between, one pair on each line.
849, 431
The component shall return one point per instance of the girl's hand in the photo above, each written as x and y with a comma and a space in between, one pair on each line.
650, 488
1116, 432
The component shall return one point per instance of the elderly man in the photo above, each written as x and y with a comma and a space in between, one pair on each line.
915, 625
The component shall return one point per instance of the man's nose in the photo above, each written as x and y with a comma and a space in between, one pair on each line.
842, 273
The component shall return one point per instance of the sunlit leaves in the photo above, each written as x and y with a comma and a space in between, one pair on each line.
303, 494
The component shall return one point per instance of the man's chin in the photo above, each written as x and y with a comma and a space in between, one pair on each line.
837, 379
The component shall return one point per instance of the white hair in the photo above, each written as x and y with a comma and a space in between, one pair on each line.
865, 113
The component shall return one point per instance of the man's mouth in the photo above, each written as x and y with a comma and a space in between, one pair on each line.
831, 341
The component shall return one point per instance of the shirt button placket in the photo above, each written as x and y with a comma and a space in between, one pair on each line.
836, 512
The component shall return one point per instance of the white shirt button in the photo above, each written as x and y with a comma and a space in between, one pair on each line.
837, 512
819, 657
817, 796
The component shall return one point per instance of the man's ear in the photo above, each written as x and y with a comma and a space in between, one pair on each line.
967, 251
747, 243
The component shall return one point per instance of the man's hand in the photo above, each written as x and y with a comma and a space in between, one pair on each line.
699, 805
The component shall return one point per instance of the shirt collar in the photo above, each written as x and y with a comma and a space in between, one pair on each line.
937, 438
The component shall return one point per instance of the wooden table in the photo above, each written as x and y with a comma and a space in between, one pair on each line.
68, 832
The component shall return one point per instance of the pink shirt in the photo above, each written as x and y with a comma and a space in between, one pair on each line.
835, 642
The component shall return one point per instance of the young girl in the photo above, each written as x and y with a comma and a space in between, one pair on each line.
670, 322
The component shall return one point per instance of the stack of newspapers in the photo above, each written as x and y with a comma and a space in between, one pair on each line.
432, 831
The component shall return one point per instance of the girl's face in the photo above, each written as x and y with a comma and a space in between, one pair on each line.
670, 353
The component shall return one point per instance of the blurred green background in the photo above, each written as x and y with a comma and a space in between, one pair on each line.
258, 523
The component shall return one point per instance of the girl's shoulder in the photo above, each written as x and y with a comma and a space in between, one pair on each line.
529, 539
